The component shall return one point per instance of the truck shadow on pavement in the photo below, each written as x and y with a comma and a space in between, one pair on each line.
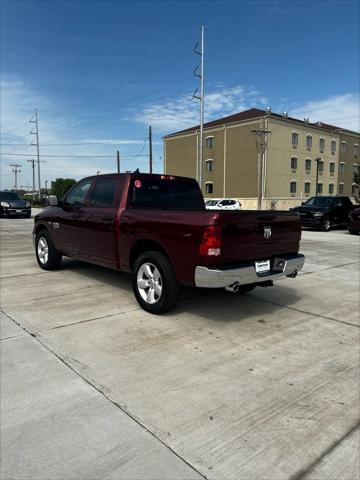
214, 304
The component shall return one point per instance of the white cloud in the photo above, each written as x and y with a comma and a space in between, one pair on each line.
17, 106
183, 112
339, 110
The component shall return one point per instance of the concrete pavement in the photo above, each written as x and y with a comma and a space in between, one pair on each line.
263, 385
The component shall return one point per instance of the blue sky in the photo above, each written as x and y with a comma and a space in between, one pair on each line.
99, 72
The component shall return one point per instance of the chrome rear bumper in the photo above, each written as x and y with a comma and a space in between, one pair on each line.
243, 275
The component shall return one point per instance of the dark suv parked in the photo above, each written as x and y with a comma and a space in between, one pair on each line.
325, 212
12, 205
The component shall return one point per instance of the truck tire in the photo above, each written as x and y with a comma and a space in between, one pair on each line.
154, 283
47, 256
326, 225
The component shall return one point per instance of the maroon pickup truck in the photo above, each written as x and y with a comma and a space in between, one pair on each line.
157, 228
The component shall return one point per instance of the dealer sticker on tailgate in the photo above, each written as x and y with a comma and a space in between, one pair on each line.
262, 267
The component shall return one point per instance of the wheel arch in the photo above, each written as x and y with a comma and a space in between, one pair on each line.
142, 246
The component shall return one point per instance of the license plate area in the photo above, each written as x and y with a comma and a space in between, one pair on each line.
18, 211
262, 267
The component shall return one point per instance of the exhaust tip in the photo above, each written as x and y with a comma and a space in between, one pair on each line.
293, 274
234, 288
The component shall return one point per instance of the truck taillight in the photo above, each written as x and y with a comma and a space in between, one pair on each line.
210, 245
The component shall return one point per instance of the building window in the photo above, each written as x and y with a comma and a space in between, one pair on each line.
209, 142
355, 168
322, 145
356, 151
307, 188
342, 167
319, 188
294, 139
331, 188
341, 189
308, 165
293, 163
343, 147
293, 186
320, 167
209, 165
308, 142
333, 147
332, 169
209, 187
354, 189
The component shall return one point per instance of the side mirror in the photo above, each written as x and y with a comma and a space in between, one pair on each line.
52, 201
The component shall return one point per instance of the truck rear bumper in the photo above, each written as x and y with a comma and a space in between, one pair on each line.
245, 274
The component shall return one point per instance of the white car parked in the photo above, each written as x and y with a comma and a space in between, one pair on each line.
222, 204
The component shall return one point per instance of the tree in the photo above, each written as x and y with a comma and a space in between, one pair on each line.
61, 185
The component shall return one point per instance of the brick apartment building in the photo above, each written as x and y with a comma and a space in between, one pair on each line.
297, 152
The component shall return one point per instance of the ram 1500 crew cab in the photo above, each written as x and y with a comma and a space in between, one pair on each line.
157, 228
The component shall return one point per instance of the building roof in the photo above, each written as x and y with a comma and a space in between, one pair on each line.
252, 114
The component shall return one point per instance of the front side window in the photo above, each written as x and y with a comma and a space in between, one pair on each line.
293, 187
307, 187
294, 138
77, 196
331, 188
322, 144
333, 147
308, 141
210, 142
293, 163
104, 192
209, 188
341, 188
319, 188
307, 164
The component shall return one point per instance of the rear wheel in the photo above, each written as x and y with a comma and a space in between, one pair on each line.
47, 256
326, 225
154, 283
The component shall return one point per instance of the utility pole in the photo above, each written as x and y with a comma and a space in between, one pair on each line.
16, 170
261, 138
118, 160
32, 161
200, 97
46, 182
150, 151
36, 133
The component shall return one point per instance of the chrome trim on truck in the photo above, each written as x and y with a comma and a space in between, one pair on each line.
219, 278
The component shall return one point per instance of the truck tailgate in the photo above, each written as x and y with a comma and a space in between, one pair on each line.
257, 235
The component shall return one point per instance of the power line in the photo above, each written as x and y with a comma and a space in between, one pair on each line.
104, 142
22, 154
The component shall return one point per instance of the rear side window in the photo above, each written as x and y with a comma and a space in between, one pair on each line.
104, 192
166, 194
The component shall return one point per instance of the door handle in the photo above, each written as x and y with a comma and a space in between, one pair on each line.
108, 218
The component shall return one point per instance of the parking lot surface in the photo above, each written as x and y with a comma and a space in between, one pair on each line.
256, 386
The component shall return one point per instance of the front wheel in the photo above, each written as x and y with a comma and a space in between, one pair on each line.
154, 283
47, 256
326, 225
